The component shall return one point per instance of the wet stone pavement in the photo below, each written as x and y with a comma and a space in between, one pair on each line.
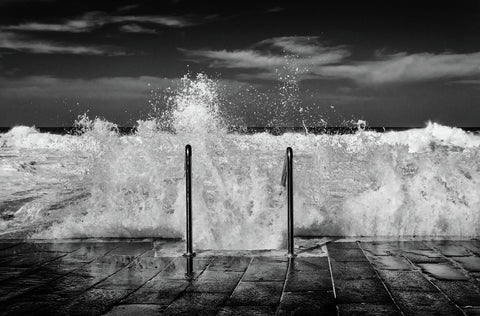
148, 278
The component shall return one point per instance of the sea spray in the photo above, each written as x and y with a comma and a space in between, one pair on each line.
415, 182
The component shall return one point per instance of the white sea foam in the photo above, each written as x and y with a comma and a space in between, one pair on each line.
415, 182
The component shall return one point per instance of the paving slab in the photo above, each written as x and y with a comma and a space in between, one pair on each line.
178, 268
248, 311
343, 245
26, 282
136, 309
132, 248
158, 291
91, 302
216, 282
40, 295
197, 303
393, 247
82, 278
349, 254
88, 252
230, 263
303, 282
24, 248
380, 248
308, 303
135, 274
368, 309
59, 282
425, 303
470, 263
391, 263
411, 245
362, 291
450, 248
28, 260
130, 277
462, 293
266, 269
406, 281
72, 284
424, 256
352, 270
310, 264
21, 248
472, 245
257, 293
443, 271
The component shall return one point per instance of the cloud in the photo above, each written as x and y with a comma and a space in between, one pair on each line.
103, 88
96, 19
306, 49
468, 81
306, 46
99, 88
171, 21
235, 59
24, 44
405, 67
135, 28
45, 27
84, 23
274, 75
316, 60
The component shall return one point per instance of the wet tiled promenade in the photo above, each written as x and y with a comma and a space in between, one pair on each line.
146, 278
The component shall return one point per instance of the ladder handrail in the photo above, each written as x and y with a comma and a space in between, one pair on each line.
287, 181
188, 195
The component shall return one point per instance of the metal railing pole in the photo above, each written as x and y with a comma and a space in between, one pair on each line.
287, 181
188, 181
291, 253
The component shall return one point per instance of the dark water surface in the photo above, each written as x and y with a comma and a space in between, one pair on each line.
125, 130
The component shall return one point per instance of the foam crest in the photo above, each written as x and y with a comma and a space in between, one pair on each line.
415, 182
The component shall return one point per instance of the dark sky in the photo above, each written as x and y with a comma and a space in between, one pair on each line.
392, 63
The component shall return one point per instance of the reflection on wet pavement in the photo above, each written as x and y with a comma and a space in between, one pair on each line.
443, 271
328, 277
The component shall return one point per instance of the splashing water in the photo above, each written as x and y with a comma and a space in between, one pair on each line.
100, 184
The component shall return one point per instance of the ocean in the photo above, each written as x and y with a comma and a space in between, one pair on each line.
97, 180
